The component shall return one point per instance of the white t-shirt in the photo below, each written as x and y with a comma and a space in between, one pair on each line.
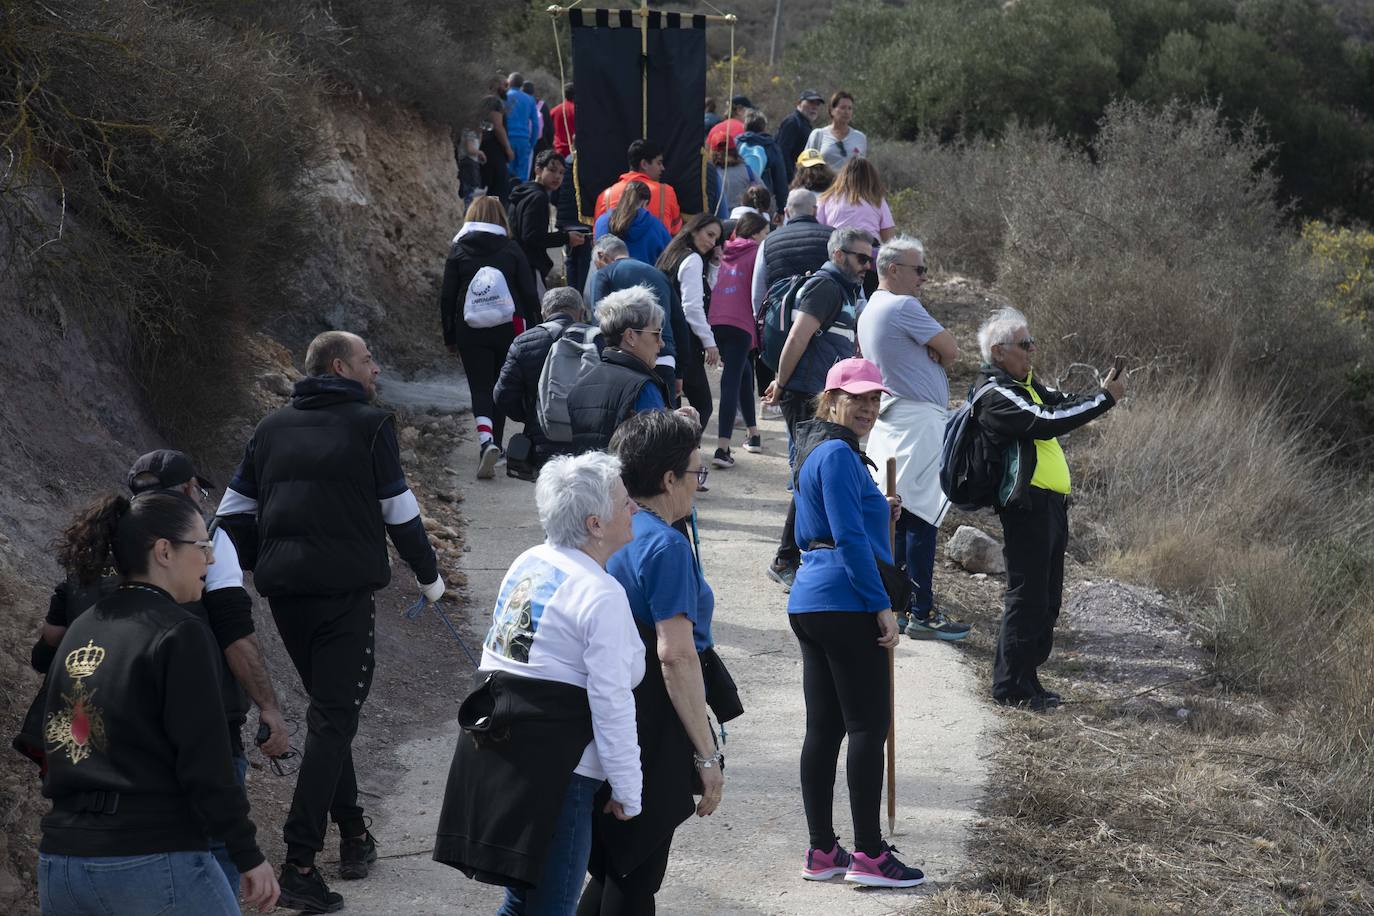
561, 617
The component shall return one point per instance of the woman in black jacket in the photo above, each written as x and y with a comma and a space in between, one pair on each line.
487, 299
139, 769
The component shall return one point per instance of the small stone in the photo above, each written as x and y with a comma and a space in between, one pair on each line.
975, 551
408, 456
409, 436
980, 575
1183, 712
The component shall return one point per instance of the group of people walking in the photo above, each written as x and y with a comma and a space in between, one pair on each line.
592, 733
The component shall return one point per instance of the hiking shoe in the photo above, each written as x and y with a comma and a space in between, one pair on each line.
784, 574
822, 866
486, 460
1049, 695
1035, 703
753, 444
936, 626
356, 855
884, 870
722, 459
902, 621
307, 892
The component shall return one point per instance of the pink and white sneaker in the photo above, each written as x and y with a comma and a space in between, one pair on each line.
884, 870
822, 866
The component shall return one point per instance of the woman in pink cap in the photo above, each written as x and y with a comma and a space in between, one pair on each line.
840, 612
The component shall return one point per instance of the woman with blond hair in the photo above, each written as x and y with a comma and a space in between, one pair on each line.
488, 297
631, 222
857, 200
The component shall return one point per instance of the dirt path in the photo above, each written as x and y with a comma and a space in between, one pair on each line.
744, 859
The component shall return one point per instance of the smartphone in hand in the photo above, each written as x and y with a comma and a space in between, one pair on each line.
1118, 367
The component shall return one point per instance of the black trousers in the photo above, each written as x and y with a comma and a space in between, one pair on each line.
796, 408
1034, 540
608, 894
483, 356
330, 641
695, 389
845, 683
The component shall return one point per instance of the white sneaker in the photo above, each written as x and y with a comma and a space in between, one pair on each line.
486, 461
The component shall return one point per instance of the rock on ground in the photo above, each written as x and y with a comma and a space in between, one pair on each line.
975, 551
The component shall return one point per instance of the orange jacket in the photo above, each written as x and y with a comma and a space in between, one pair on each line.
662, 199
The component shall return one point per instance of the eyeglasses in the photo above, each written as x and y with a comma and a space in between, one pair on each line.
865, 259
658, 333
1026, 344
921, 269
206, 547
701, 473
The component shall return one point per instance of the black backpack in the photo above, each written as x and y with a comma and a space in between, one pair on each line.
971, 464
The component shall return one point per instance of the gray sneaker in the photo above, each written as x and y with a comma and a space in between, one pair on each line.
783, 575
936, 626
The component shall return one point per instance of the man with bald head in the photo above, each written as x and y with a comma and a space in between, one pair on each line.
318, 491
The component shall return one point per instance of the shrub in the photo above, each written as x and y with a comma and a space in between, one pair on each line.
1349, 255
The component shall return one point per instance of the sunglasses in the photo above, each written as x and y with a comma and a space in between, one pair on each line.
921, 269
865, 259
1027, 344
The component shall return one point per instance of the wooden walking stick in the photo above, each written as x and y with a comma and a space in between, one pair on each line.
892, 676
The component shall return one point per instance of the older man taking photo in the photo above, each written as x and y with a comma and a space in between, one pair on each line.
1032, 502
911, 349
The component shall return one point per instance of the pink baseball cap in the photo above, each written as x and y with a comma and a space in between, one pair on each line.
855, 376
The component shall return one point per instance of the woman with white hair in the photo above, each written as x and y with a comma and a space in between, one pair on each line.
554, 717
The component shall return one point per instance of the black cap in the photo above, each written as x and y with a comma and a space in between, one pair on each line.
741, 101
172, 469
811, 95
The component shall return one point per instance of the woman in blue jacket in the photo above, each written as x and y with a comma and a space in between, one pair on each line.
840, 613
633, 224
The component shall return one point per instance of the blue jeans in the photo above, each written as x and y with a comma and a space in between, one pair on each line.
560, 880
157, 884
216, 847
916, 549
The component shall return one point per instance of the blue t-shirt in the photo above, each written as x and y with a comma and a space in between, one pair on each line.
646, 239
662, 579
522, 116
837, 501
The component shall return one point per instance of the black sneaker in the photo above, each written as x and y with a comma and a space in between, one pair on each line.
1049, 695
487, 457
753, 444
1036, 703
722, 458
356, 853
936, 626
784, 574
307, 892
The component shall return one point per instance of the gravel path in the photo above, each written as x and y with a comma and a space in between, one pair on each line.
745, 858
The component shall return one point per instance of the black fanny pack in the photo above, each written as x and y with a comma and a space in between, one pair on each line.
721, 693
895, 582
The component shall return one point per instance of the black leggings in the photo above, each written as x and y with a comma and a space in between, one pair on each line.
482, 361
737, 378
696, 390
845, 682
608, 894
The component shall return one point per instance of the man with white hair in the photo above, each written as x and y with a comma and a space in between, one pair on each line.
798, 247
911, 349
615, 270
1024, 417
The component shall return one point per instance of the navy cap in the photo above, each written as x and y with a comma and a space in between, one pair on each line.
811, 95
741, 101
170, 467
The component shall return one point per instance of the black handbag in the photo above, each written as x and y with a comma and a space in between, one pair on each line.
897, 584
721, 693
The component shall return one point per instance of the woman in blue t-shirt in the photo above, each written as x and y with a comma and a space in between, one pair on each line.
840, 613
672, 604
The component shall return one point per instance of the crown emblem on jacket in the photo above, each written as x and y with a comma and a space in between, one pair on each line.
83, 662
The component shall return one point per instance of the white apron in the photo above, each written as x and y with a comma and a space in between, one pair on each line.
912, 432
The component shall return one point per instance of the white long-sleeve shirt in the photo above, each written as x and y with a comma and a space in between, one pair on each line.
689, 281
561, 617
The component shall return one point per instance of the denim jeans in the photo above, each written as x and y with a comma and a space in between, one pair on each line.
916, 551
560, 880
216, 847
162, 883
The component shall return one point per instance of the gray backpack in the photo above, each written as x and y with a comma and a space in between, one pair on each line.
571, 357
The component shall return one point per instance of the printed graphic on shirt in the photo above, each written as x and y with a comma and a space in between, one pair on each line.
524, 595
78, 728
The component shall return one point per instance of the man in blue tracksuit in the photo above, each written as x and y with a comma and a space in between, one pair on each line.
522, 126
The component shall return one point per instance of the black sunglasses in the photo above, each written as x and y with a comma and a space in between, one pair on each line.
921, 269
1026, 344
864, 258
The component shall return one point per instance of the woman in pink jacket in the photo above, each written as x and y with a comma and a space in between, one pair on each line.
736, 332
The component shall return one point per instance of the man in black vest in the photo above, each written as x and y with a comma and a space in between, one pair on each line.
322, 478
798, 247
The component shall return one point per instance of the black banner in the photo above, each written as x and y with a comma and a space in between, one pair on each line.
610, 73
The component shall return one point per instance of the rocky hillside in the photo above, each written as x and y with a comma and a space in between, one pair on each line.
382, 206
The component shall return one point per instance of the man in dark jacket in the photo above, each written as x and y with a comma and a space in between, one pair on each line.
517, 390
529, 217
1024, 416
796, 127
774, 175
824, 322
321, 487
625, 383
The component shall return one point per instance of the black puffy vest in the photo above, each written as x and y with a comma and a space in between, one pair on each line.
604, 398
796, 248
320, 528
